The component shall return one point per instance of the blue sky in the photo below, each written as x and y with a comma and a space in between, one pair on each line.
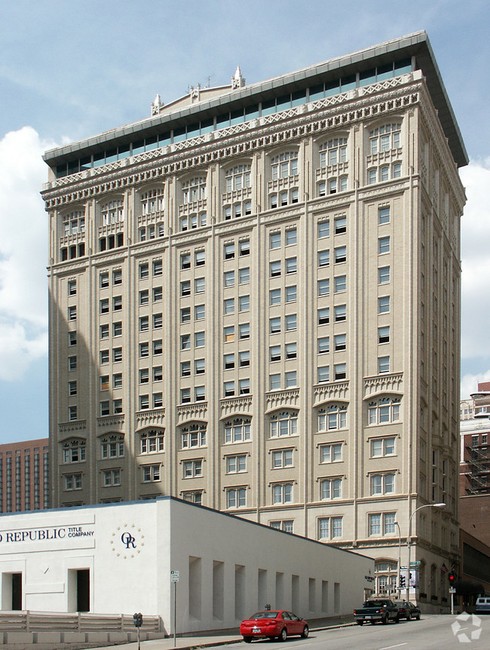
69, 70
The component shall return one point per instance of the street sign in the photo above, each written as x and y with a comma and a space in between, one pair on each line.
174, 575
452, 590
415, 564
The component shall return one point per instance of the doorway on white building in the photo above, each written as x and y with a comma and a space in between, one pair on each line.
79, 590
12, 591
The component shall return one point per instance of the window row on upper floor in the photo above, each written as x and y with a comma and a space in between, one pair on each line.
383, 163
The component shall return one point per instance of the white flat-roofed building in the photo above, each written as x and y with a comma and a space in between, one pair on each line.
123, 558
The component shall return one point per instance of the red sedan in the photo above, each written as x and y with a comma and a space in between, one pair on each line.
272, 623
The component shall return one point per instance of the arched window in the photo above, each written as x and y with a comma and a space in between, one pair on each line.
152, 441
385, 138
194, 189
238, 177
74, 451
385, 572
112, 446
152, 201
193, 435
284, 423
112, 212
384, 410
333, 416
237, 430
284, 165
73, 222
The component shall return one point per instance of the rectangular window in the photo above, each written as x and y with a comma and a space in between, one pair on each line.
340, 342
199, 312
340, 224
244, 331
275, 353
324, 316
383, 245
382, 447
323, 287
383, 275
157, 267
290, 321
331, 489
275, 297
323, 374
282, 493
282, 458
151, 473
340, 254
244, 275
236, 497
323, 344
236, 464
275, 269
274, 240
290, 293
329, 527
323, 229
117, 380
229, 306
383, 215
291, 265
275, 381
323, 258
384, 334
383, 304
229, 278
192, 468
331, 453
340, 312
340, 283
340, 371
243, 303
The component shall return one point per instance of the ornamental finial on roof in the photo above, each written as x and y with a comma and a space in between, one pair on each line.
156, 105
237, 81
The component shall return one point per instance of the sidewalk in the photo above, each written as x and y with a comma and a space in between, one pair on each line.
212, 640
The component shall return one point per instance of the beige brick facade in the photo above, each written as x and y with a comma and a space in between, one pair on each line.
255, 306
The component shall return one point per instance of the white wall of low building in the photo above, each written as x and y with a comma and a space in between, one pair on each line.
226, 566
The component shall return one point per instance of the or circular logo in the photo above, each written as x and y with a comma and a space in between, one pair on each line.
127, 541
467, 628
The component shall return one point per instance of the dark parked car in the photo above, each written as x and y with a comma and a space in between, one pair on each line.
376, 610
407, 610
273, 623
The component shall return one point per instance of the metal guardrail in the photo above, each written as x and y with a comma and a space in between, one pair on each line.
29, 621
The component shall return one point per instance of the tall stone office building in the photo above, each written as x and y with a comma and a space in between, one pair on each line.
255, 305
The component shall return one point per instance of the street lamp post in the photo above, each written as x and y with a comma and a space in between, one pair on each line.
399, 587
409, 538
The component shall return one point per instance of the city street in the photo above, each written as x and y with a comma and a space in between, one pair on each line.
430, 633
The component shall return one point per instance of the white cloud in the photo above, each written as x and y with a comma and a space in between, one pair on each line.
475, 252
23, 253
469, 383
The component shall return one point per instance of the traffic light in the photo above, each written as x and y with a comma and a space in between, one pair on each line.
138, 619
451, 576
402, 581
